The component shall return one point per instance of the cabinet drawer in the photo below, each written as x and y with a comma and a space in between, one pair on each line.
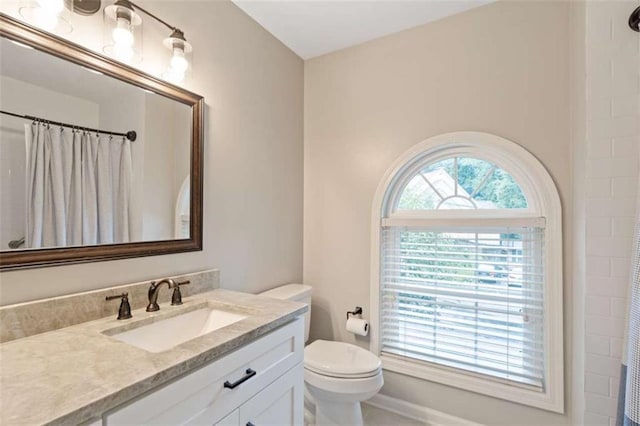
200, 397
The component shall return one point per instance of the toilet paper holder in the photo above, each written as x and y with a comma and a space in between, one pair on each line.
357, 311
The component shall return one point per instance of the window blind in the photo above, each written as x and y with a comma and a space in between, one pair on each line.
467, 299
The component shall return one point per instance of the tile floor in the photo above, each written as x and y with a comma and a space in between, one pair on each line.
374, 416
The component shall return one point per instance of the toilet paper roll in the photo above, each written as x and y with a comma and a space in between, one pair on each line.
358, 326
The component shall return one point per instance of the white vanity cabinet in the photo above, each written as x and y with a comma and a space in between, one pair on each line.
260, 383
280, 403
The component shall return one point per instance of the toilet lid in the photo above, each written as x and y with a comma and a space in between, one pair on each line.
340, 359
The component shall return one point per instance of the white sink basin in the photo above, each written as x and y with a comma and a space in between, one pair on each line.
165, 334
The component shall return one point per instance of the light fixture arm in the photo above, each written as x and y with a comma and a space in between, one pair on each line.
146, 12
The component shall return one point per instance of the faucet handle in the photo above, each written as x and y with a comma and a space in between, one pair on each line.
124, 312
176, 297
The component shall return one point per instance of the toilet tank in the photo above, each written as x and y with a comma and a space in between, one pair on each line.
297, 293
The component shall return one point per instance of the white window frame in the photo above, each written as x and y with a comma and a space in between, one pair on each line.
543, 205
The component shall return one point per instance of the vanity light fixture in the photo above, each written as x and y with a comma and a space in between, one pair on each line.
122, 24
180, 48
51, 8
124, 17
123, 31
45, 14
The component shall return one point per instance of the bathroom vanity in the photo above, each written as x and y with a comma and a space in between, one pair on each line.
260, 383
244, 368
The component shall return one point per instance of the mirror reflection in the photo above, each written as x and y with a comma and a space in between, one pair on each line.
70, 176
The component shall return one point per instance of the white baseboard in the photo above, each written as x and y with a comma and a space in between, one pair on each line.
417, 412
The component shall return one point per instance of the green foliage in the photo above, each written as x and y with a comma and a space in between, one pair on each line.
418, 196
479, 177
426, 251
427, 264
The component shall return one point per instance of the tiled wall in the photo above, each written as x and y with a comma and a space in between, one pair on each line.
613, 128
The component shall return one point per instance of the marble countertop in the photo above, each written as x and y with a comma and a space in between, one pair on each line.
74, 374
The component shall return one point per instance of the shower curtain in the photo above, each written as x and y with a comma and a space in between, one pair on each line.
78, 187
629, 393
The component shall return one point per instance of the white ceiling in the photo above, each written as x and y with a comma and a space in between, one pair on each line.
314, 27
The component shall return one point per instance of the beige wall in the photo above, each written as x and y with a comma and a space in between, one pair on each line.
503, 69
253, 88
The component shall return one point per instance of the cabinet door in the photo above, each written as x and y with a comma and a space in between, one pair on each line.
232, 419
279, 404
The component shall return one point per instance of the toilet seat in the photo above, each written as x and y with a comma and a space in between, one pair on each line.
340, 360
340, 389
345, 376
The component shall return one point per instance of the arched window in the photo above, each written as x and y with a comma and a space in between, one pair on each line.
467, 269
182, 218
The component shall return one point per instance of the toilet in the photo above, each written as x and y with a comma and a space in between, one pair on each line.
337, 375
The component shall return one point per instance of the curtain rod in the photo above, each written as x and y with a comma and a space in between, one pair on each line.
131, 134
14, 244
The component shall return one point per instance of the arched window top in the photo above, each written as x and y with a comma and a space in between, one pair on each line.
183, 210
467, 174
461, 182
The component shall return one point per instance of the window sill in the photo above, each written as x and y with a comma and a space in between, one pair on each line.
549, 400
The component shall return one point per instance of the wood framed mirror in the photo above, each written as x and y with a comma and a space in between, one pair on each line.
77, 186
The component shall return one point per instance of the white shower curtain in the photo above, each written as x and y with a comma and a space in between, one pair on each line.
78, 187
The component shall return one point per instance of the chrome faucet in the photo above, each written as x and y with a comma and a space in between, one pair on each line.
154, 289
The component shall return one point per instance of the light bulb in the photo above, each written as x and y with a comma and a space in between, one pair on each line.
121, 34
52, 6
178, 62
123, 52
46, 13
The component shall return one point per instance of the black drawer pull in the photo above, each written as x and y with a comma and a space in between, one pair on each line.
250, 424
250, 374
